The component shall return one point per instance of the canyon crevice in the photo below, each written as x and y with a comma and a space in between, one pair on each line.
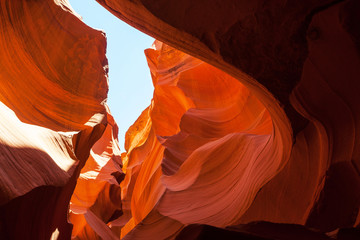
252, 132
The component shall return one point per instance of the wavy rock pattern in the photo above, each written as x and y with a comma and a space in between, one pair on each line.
301, 61
96, 199
53, 66
54, 119
253, 130
200, 118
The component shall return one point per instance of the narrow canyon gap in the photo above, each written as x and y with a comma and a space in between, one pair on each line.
252, 131
130, 85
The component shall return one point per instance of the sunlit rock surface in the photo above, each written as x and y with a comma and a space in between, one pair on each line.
96, 198
200, 152
252, 133
53, 87
300, 59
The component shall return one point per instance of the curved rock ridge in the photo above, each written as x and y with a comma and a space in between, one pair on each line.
301, 61
199, 153
39, 168
53, 66
96, 199
54, 121
253, 130
56, 159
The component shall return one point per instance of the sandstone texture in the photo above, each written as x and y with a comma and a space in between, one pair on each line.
53, 88
300, 59
252, 132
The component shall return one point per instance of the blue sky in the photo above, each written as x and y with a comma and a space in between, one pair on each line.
129, 76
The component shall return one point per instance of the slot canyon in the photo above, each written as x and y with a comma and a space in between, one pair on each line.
253, 131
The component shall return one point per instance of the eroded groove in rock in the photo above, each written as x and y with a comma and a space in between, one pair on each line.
199, 119
39, 168
249, 40
96, 197
256, 134
53, 87
53, 66
301, 60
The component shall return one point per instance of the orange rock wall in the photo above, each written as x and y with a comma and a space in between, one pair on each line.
53, 88
301, 61
253, 130
199, 119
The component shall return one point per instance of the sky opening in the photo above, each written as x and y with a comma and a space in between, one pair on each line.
130, 84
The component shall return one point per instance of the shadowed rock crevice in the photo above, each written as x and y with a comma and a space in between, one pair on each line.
252, 133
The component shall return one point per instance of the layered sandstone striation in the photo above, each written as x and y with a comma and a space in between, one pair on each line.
53, 88
200, 119
301, 61
252, 133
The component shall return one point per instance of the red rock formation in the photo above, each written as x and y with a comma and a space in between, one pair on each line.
301, 60
53, 76
200, 118
96, 198
253, 130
